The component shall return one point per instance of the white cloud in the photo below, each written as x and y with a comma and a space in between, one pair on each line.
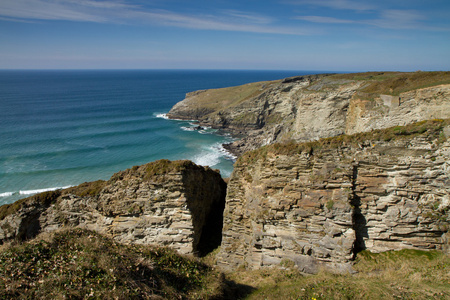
326, 20
388, 19
398, 19
47, 10
338, 4
110, 11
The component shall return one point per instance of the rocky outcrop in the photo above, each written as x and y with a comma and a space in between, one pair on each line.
318, 204
307, 108
176, 204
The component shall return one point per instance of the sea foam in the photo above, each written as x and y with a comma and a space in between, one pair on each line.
162, 116
7, 194
37, 191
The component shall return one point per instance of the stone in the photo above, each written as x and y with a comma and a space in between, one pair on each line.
184, 213
374, 204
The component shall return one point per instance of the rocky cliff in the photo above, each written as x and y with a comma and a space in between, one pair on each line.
307, 205
307, 108
319, 203
327, 184
176, 204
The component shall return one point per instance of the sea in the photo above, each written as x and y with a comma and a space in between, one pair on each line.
60, 128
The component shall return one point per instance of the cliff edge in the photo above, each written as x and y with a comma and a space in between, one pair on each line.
306, 108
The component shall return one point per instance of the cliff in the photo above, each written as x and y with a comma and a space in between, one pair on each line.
319, 203
176, 204
308, 204
333, 177
307, 108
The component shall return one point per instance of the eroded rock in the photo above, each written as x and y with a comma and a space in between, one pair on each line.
176, 204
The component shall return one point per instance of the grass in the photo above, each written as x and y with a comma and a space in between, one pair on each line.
87, 189
155, 170
231, 96
395, 83
431, 128
405, 274
80, 264
44, 199
214, 101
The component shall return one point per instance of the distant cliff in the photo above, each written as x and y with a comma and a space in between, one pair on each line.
310, 107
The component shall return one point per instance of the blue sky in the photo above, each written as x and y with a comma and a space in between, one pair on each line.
328, 35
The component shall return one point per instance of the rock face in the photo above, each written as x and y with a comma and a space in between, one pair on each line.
176, 204
319, 203
305, 201
307, 108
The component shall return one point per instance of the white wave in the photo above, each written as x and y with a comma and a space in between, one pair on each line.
187, 128
31, 192
212, 155
225, 152
162, 116
207, 158
7, 194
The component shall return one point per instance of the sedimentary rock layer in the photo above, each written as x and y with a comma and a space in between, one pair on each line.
176, 204
320, 203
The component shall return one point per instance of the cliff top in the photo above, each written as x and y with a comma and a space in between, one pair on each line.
395, 83
155, 171
374, 84
431, 129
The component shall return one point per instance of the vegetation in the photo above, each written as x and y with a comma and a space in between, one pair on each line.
223, 98
154, 169
87, 189
431, 128
43, 199
405, 274
395, 83
80, 264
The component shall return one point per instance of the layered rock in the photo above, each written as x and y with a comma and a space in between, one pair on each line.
307, 108
320, 203
176, 204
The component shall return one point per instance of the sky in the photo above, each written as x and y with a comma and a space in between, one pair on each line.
322, 35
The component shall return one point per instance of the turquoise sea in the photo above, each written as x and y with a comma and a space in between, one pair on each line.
62, 128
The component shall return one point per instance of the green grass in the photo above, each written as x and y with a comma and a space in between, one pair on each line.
218, 99
395, 83
80, 264
406, 274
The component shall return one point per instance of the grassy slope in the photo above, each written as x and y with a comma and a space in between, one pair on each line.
405, 274
80, 264
224, 98
395, 83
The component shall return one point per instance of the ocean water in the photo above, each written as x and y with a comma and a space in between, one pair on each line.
63, 128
